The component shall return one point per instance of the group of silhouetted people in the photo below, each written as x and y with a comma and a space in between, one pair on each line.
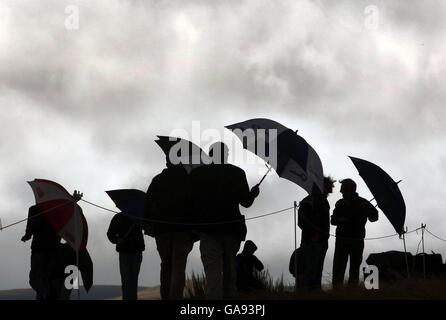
350, 216
203, 206
182, 208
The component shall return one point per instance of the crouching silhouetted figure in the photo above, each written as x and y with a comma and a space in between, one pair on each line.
247, 265
350, 215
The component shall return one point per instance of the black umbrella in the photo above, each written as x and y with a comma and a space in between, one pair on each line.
183, 151
385, 190
287, 152
130, 202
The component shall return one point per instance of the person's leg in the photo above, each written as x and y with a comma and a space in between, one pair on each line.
339, 263
124, 268
211, 250
323, 247
313, 253
164, 247
182, 245
356, 251
51, 275
36, 280
305, 278
135, 267
231, 246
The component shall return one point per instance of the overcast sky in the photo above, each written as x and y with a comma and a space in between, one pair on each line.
82, 106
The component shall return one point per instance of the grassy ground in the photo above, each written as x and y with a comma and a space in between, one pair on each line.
401, 289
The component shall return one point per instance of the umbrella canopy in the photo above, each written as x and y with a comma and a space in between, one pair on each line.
183, 151
64, 214
385, 190
287, 152
130, 202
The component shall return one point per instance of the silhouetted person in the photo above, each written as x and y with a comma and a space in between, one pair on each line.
129, 240
350, 216
168, 201
314, 220
247, 264
218, 190
45, 242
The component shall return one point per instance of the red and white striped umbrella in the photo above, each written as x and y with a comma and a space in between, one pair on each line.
64, 214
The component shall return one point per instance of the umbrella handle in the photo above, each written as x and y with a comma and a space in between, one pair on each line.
264, 176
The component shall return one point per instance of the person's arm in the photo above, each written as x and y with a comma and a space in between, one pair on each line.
149, 204
113, 230
304, 214
247, 196
30, 224
372, 213
338, 217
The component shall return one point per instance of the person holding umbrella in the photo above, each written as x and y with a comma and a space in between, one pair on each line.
44, 245
127, 235
44, 249
167, 218
350, 216
218, 190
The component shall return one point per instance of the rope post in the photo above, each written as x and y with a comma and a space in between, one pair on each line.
295, 245
422, 243
405, 254
76, 225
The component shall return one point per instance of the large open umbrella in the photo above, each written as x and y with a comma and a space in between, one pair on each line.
64, 214
385, 190
387, 195
287, 152
183, 151
130, 202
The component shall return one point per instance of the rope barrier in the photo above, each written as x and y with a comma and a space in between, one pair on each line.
36, 215
98, 206
247, 219
220, 222
354, 239
434, 235
195, 223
